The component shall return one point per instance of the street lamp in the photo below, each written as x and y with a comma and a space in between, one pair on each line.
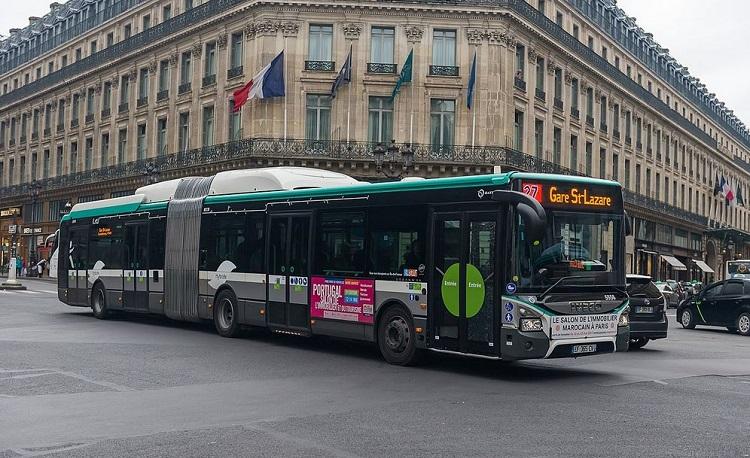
35, 187
388, 161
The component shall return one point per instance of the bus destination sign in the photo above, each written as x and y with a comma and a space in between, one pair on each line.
572, 195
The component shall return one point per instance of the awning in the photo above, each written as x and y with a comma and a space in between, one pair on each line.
674, 262
703, 266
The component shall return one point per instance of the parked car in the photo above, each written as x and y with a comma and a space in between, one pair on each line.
678, 289
672, 298
725, 303
648, 317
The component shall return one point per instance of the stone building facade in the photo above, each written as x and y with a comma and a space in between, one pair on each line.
98, 97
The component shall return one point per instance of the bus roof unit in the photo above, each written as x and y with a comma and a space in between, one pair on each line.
276, 179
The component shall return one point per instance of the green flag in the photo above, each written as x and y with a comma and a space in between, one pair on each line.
405, 76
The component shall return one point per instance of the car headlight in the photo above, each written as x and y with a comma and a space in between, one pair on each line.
624, 319
531, 324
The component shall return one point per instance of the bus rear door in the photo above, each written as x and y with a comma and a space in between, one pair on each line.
288, 270
463, 287
135, 267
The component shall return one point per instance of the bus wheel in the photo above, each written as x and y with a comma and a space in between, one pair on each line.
99, 302
225, 314
396, 338
743, 323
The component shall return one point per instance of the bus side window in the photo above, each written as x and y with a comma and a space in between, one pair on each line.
397, 241
340, 246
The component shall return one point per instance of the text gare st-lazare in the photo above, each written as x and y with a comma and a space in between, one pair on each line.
578, 197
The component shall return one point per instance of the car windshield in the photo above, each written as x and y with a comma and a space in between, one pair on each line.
643, 288
664, 287
579, 248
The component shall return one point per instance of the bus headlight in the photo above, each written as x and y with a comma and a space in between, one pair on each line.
624, 319
531, 324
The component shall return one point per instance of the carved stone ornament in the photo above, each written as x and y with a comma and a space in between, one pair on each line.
510, 41
532, 56
115, 82
197, 49
98, 88
495, 37
414, 34
352, 31
597, 93
475, 36
266, 28
611, 103
568, 78
551, 67
152, 67
82, 92
173, 59
289, 28
249, 31
133, 74
53, 106
221, 41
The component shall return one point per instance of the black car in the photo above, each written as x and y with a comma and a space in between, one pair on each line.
648, 318
725, 303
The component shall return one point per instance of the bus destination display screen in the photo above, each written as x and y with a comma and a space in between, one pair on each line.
574, 195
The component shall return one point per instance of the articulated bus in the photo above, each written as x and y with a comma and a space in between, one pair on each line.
506, 266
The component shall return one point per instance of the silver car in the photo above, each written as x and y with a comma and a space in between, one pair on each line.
672, 298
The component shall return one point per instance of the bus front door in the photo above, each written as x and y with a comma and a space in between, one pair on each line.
77, 262
135, 267
288, 270
463, 300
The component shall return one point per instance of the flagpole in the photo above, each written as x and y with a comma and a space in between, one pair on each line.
285, 97
349, 93
473, 102
411, 115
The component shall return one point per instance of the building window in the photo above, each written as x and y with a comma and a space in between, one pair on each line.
236, 51
627, 173
381, 46
161, 136
318, 119
107, 96
442, 122
209, 68
122, 145
615, 167
558, 83
166, 13
557, 145
146, 22
163, 76
616, 119
444, 48
127, 31
141, 142
235, 123
590, 103
143, 85
559, 19
518, 130
61, 114
59, 161
104, 159
188, 4
658, 186
538, 138
576, 31
90, 102
540, 76
574, 94
380, 119
124, 90
73, 157
208, 125
320, 43
110, 39
184, 131
93, 47
185, 68
591, 42
602, 163
520, 62
589, 158
648, 182
603, 112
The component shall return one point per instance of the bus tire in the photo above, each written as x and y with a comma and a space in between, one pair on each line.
396, 337
225, 314
99, 302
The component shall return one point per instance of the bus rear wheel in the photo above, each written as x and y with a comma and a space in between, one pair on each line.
225, 314
99, 302
396, 338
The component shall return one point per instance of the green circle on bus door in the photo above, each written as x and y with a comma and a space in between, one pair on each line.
475, 290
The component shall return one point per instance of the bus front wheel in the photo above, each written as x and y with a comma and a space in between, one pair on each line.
99, 302
225, 314
397, 339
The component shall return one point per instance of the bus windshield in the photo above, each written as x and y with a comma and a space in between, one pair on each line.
738, 268
579, 249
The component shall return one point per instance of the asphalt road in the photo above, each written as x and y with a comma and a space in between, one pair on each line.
71, 385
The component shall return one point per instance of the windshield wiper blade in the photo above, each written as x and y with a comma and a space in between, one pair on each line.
554, 285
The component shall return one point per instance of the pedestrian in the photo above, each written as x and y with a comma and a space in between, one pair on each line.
40, 268
19, 266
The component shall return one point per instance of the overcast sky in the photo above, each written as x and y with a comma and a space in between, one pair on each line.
710, 38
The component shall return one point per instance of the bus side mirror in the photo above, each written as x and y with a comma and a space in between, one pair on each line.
628, 225
532, 212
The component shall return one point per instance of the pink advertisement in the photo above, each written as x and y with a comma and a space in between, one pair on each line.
348, 299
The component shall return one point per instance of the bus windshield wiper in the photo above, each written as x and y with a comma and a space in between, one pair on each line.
554, 285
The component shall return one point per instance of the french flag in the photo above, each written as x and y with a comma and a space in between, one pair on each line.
269, 82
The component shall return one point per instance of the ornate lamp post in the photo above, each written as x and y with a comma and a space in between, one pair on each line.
35, 187
388, 161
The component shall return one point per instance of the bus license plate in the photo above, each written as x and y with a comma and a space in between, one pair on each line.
589, 348
644, 309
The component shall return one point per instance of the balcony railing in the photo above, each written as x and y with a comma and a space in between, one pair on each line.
558, 103
89, 118
47, 131
540, 95
141, 102
603, 127
628, 140
574, 112
60, 128
519, 84
74, 123
22, 140
162, 95
12, 142
381, 69
34, 136
443, 70
123, 108
106, 113
639, 146
209, 80
184, 88
320, 65
616, 134
235, 72
590, 121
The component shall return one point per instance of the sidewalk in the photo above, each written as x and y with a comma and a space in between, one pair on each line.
4, 277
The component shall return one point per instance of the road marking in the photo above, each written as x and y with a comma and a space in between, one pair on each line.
660, 382
23, 376
51, 371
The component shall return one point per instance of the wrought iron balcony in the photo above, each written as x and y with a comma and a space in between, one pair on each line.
47, 131
184, 88
60, 128
34, 136
2, 145
649, 150
603, 127
575, 113
658, 157
22, 140
12, 142
89, 118
558, 103
443, 70
540, 95
590, 121
616, 134
381, 69
628, 140
162, 95
235, 72
519, 84
662, 208
639, 146
320, 65
141, 102
106, 113
123, 108
74, 123
209, 80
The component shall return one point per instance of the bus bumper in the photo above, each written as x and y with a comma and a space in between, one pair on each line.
517, 345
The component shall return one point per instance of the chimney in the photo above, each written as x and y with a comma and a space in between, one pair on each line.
33, 19
14, 30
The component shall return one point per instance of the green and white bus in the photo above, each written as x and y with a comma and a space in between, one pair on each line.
506, 266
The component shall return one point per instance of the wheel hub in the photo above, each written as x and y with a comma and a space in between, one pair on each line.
744, 324
686, 318
397, 335
227, 314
